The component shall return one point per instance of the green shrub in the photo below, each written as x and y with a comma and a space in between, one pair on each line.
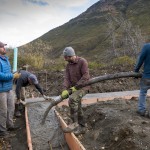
124, 60
95, 65
55, 65
34, 60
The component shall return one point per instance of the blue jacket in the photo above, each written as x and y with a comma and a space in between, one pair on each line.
144, 58
5, 75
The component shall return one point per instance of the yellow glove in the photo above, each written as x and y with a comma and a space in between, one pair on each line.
65, 94
16, 75
73, 89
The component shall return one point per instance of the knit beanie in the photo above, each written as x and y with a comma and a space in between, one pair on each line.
69, 51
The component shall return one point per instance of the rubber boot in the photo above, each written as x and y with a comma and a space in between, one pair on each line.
81, 121
72, 126
13, 128
21, 107
17, 112
79, 130
5, 134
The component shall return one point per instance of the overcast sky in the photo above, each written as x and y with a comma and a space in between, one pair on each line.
21, 21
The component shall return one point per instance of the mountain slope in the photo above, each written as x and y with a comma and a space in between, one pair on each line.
101, 31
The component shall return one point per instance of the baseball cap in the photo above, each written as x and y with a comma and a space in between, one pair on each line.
2, 45
33, 79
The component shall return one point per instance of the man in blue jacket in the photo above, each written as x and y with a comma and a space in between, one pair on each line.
6, 94
143, 59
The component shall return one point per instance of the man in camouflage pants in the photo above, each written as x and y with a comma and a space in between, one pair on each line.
77, 73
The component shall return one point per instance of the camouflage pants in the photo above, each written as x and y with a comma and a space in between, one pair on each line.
75, 105
6, 110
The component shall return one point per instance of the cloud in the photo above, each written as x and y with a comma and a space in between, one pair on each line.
22, 21
69, 3
40, 3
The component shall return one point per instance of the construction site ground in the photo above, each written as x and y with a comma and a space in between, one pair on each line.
19, 141
112, 125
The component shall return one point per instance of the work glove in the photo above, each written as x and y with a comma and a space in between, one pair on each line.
45, 97
136, 77
73, 89
16, 75
64, 94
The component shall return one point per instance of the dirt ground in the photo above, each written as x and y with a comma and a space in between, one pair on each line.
113, 125
52, 83
19, 141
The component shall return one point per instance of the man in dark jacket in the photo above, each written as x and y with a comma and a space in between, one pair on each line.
24, 80
6, 94
144, 58
77, 73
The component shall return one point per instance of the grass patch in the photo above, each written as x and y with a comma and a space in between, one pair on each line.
95, 65
124, 60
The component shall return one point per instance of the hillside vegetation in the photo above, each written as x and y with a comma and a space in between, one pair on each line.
111, 32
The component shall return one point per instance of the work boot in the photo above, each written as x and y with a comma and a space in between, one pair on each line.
71, 127
21, 106
13, 128
144, 113
17, 112
5, 134
80, 130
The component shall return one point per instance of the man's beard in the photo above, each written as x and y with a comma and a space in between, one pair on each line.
3, 53
71, 61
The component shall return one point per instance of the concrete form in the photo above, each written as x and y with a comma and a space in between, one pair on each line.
72, 141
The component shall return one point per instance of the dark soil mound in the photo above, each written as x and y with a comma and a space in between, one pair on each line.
114, 125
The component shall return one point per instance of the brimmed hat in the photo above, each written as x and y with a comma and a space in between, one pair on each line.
69, 51
2, 45
33, 79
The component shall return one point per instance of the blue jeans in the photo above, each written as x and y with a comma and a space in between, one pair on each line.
144, 86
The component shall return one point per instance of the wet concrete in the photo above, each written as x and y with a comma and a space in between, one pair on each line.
47, 136
119, 94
